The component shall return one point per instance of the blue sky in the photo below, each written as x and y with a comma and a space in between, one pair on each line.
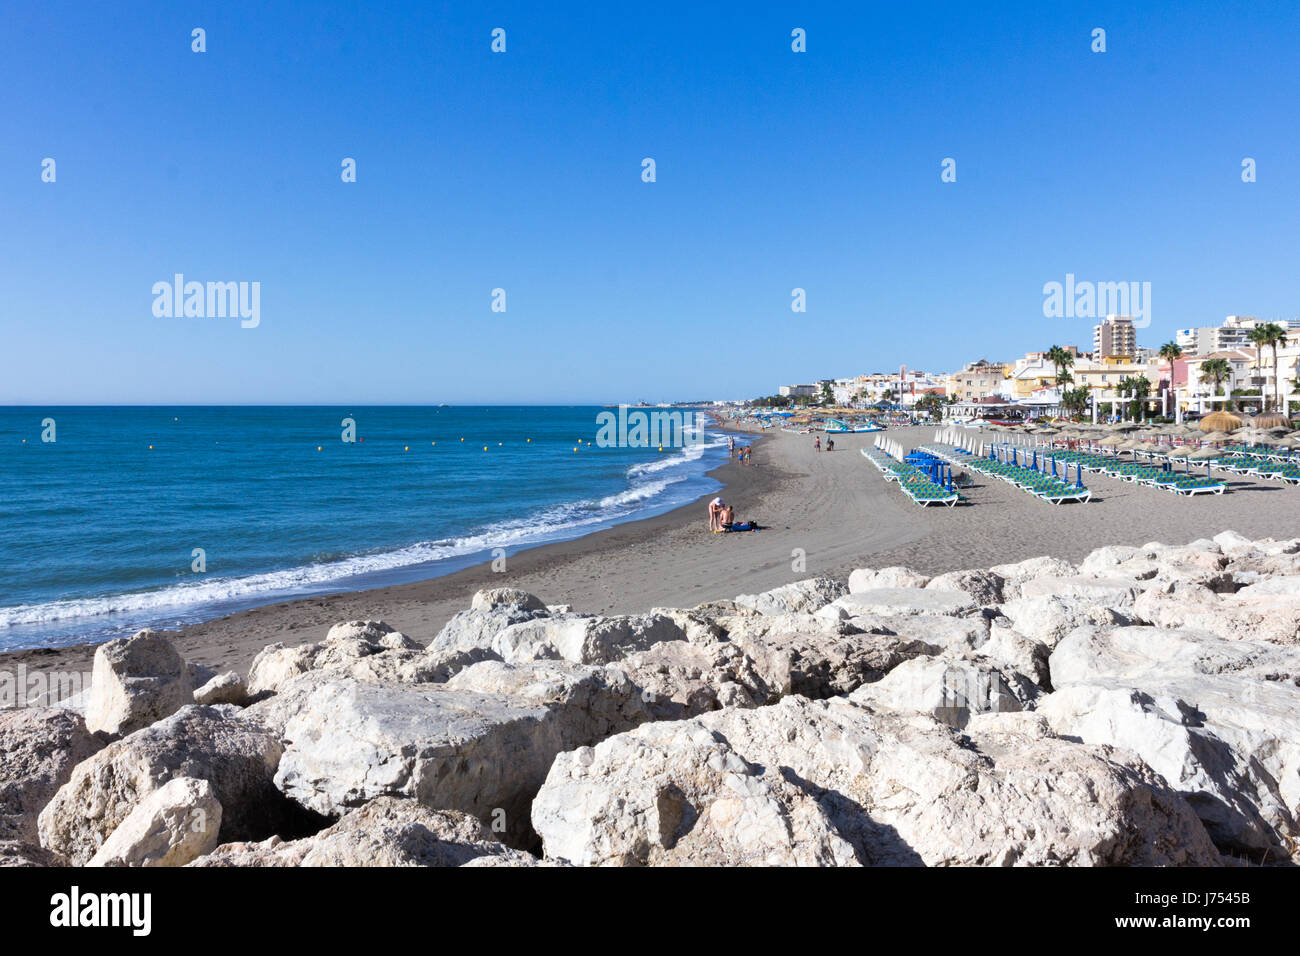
522, 171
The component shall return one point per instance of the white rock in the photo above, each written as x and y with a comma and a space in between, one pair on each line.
477, 628
236, 756
803, 654
903, 601
866, 579
227, 688
583, 640
985, 587
1219, 718
1015, 575
831, 783
39, 747
481, 743
951, 691
173, 825
1115, 593
1050, 617
1010, 649
800, 597
136, 681
497, 597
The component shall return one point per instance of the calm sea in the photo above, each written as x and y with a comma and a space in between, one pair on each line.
160, 517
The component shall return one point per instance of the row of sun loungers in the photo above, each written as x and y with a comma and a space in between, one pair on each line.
913, 482
1255, 466
1142, 473
1031, 480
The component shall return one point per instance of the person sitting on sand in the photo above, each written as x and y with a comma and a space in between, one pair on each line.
728, 516
830, 444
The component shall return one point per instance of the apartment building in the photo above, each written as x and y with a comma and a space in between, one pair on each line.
1114, 338
982, 379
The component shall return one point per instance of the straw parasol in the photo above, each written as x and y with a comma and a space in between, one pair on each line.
1202, 453
1216, 436
1271, 420
1219, 421
1110, 441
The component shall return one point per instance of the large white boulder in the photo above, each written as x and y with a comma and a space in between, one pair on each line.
136, 681
39, 746
832, 783
237, 757
800, 597
807, 655
1048, 618
173, 825
947, 689
902, 601
583, 639
481, 743
1219, 718
867, 579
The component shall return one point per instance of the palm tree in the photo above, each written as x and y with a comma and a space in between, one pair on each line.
1272, 335
1257, 335
1061, 360
1215, 370
1171, 352
1074, 401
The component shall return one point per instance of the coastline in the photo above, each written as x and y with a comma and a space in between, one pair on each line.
832, 508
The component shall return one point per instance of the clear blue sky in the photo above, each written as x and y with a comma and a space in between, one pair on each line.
523, 171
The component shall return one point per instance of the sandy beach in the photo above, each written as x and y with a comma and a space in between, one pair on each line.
833, 509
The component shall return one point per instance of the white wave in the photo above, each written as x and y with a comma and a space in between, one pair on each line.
550, 524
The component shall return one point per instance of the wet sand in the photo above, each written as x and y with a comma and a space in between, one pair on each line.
822, 513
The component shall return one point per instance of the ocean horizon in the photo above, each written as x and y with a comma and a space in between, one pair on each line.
163, 516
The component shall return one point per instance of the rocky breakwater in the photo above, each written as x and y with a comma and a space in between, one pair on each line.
1139, 708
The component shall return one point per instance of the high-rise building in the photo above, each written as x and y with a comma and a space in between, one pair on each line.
1234, 333
1114, 338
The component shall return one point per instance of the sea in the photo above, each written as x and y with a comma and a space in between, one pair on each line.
161, 517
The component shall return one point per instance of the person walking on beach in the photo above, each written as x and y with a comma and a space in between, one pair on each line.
731, 446
817, 443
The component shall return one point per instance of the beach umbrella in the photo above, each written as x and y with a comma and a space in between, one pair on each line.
1271, 420
1110, 441
1219, 422
1215, 436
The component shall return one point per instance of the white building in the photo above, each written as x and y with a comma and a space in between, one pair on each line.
799, 391
1234, 333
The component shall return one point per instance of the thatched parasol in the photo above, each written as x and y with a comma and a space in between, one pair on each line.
1202, 453
1110, 441
1271, 420
1219, 421
1216, 436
